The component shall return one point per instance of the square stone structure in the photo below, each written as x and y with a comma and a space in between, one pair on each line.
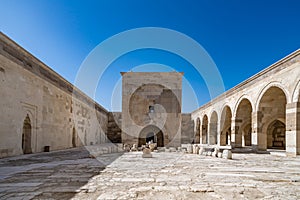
151, 108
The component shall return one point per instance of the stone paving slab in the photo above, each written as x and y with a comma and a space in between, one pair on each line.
167, 175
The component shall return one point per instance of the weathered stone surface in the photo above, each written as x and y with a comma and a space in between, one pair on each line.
227, 154
71, 174
151, 104
147, 153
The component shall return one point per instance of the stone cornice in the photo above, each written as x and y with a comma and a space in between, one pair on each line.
20, 56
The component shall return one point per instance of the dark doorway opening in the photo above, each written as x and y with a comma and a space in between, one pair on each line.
26, 136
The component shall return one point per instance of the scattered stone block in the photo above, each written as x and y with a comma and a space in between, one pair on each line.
134, 147
126, 147
152, 146
172, 149
227, 154
147, 153
215, 152
201, 150
219, 154
189, 148
195, 149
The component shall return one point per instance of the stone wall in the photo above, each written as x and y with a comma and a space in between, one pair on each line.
187, 129
151, 102
40, 108
114, 127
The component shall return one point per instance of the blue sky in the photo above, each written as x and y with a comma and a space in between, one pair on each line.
242, 37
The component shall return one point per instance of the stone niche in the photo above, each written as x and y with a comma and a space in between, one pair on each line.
151, 108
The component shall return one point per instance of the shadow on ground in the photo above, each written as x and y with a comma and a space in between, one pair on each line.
53, 175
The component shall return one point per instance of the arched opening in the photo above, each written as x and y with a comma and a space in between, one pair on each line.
26, 136
150, 137
204, 130
276, 135
243, 123
213, 128
74, 138
151, 133
225, 136
197, 134
272, 114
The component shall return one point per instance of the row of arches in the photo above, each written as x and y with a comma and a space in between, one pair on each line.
265, 127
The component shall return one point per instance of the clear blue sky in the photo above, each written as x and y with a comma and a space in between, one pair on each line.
242, 37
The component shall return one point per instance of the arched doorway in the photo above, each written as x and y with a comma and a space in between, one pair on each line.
243, 123
26, 136
151, 133
276, 135
213, 128
204, 130
272, 115
225, 126
74, 138
150, 137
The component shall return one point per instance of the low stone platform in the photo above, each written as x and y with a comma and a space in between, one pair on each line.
74, 174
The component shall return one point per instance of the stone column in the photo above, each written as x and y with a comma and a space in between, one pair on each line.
201, 136
236, 135
292, 134
258, 138
219, 134
208, 134
213, 133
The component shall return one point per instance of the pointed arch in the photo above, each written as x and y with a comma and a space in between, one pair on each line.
204, 130
243, 122
271, 107
267, 87
296, 93
26, 135
225, 122
213, 128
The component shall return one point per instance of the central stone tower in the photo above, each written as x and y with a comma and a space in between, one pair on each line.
151, 108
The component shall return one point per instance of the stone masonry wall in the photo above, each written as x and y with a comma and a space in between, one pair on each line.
113, 127
187, 129
60, 115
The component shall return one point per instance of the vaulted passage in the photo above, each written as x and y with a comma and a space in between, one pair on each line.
225, 126
276, 135
151, 133
243, 123
213, 128
204, 137
272, 114
26, 136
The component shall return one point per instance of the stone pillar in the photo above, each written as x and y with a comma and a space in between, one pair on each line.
259, 139
208, 134
201, 136
213, 133
292, 134
219, 134
236, 135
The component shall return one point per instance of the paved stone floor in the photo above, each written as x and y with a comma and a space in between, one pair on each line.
73, 174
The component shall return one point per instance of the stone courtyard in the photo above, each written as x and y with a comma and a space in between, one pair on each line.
75, 174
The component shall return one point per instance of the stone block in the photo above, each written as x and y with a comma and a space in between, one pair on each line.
227, 154
147, 153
